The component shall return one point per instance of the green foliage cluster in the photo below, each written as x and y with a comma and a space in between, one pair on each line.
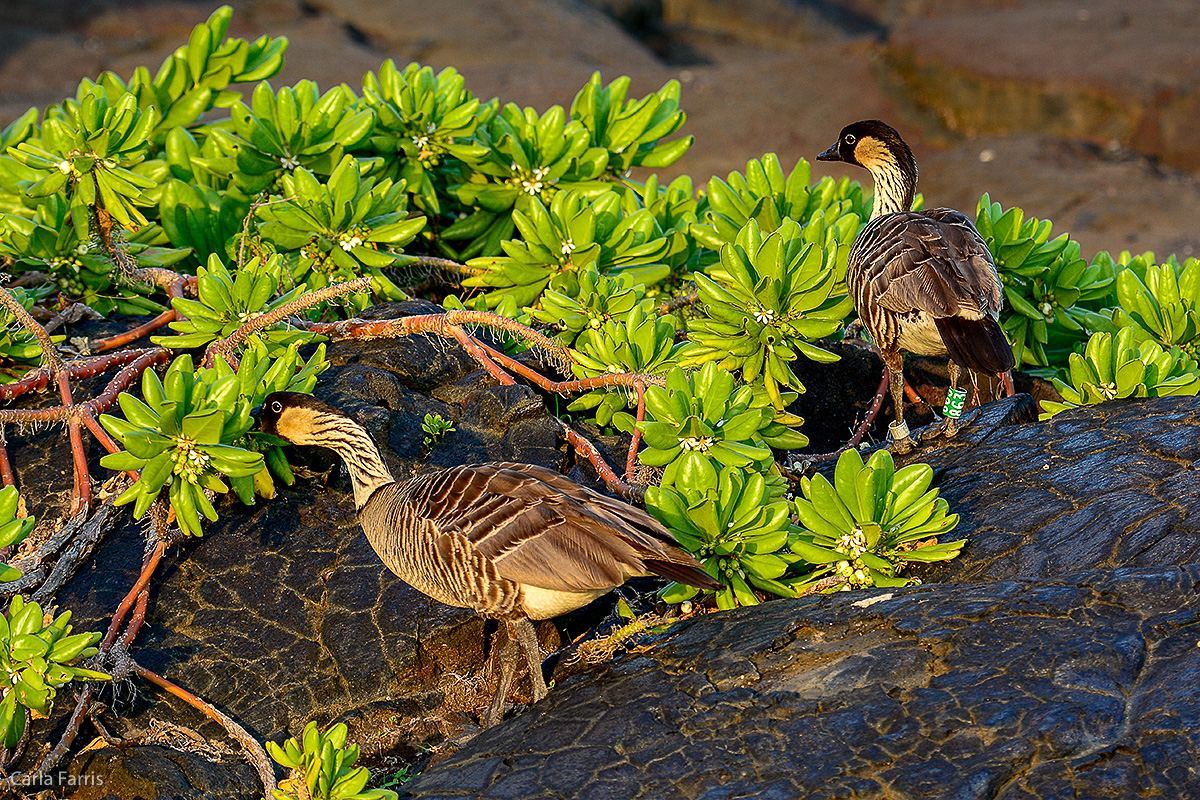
738, 529
872, 520
736, 281
36, 658
322, 768
1116, 366
227, 301
435, 427
13, 529
189, 433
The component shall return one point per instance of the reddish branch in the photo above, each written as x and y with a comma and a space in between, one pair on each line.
250, 747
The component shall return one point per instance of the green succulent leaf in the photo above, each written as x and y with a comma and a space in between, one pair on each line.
321, 767
1116, 366
871, 520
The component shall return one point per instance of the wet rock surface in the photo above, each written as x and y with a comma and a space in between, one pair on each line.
999, 673
1080, 685
149, 772
1114, 485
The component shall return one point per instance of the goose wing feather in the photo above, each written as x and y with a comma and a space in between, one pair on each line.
538, 528
931, 261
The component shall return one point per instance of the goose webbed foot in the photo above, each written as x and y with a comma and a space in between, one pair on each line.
902, 440
949, 427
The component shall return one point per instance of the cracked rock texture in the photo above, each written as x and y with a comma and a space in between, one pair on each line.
1009, 674
1114, 485
1078, 685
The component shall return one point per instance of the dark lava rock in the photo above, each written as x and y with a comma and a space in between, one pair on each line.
149, 772
1083, 685
282, 613
1114, 485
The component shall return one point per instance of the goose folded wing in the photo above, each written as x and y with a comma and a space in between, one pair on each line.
933, 262
533, 531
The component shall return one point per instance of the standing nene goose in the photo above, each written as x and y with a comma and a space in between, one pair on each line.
922, 281
514, 542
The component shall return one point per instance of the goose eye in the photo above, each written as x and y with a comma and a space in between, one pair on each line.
277, 407
850, 138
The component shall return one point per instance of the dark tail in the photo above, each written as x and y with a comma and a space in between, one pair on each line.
977, 344
683, 573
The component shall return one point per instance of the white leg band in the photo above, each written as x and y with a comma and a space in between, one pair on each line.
898, 430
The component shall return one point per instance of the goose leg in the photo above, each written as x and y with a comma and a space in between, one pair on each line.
894, 362
527, 636
953, 422
1007, 382
508, 667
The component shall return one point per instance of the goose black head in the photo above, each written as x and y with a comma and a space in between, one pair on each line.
871, 144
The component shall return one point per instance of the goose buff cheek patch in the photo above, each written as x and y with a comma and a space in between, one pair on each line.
955, 400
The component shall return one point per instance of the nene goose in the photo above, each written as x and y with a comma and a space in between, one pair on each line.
922, 281
514, 542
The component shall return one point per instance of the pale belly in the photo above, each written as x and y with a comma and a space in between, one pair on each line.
547, 603
919, 334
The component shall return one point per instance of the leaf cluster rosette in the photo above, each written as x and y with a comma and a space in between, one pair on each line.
872, 520
559, 240
630, 131
699, 423
1047, 286
738, 529
87, 147
13, 529
1115, 366
179, 439
764, 194
341, 228
761, 307
527, 156
226, 301
424, 124
600, 298
279, 133
640, 342
321, 767
35, 659
1161, 303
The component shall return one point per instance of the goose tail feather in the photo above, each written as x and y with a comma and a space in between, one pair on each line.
977, 344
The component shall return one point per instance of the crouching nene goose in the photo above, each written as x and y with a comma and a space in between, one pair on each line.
514, 542
921, 281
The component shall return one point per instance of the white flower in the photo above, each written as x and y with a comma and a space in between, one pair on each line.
350, 242
289, 162
567, 247
691, 443
64, 167
764, 316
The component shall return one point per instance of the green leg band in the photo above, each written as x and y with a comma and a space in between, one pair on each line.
955, 400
